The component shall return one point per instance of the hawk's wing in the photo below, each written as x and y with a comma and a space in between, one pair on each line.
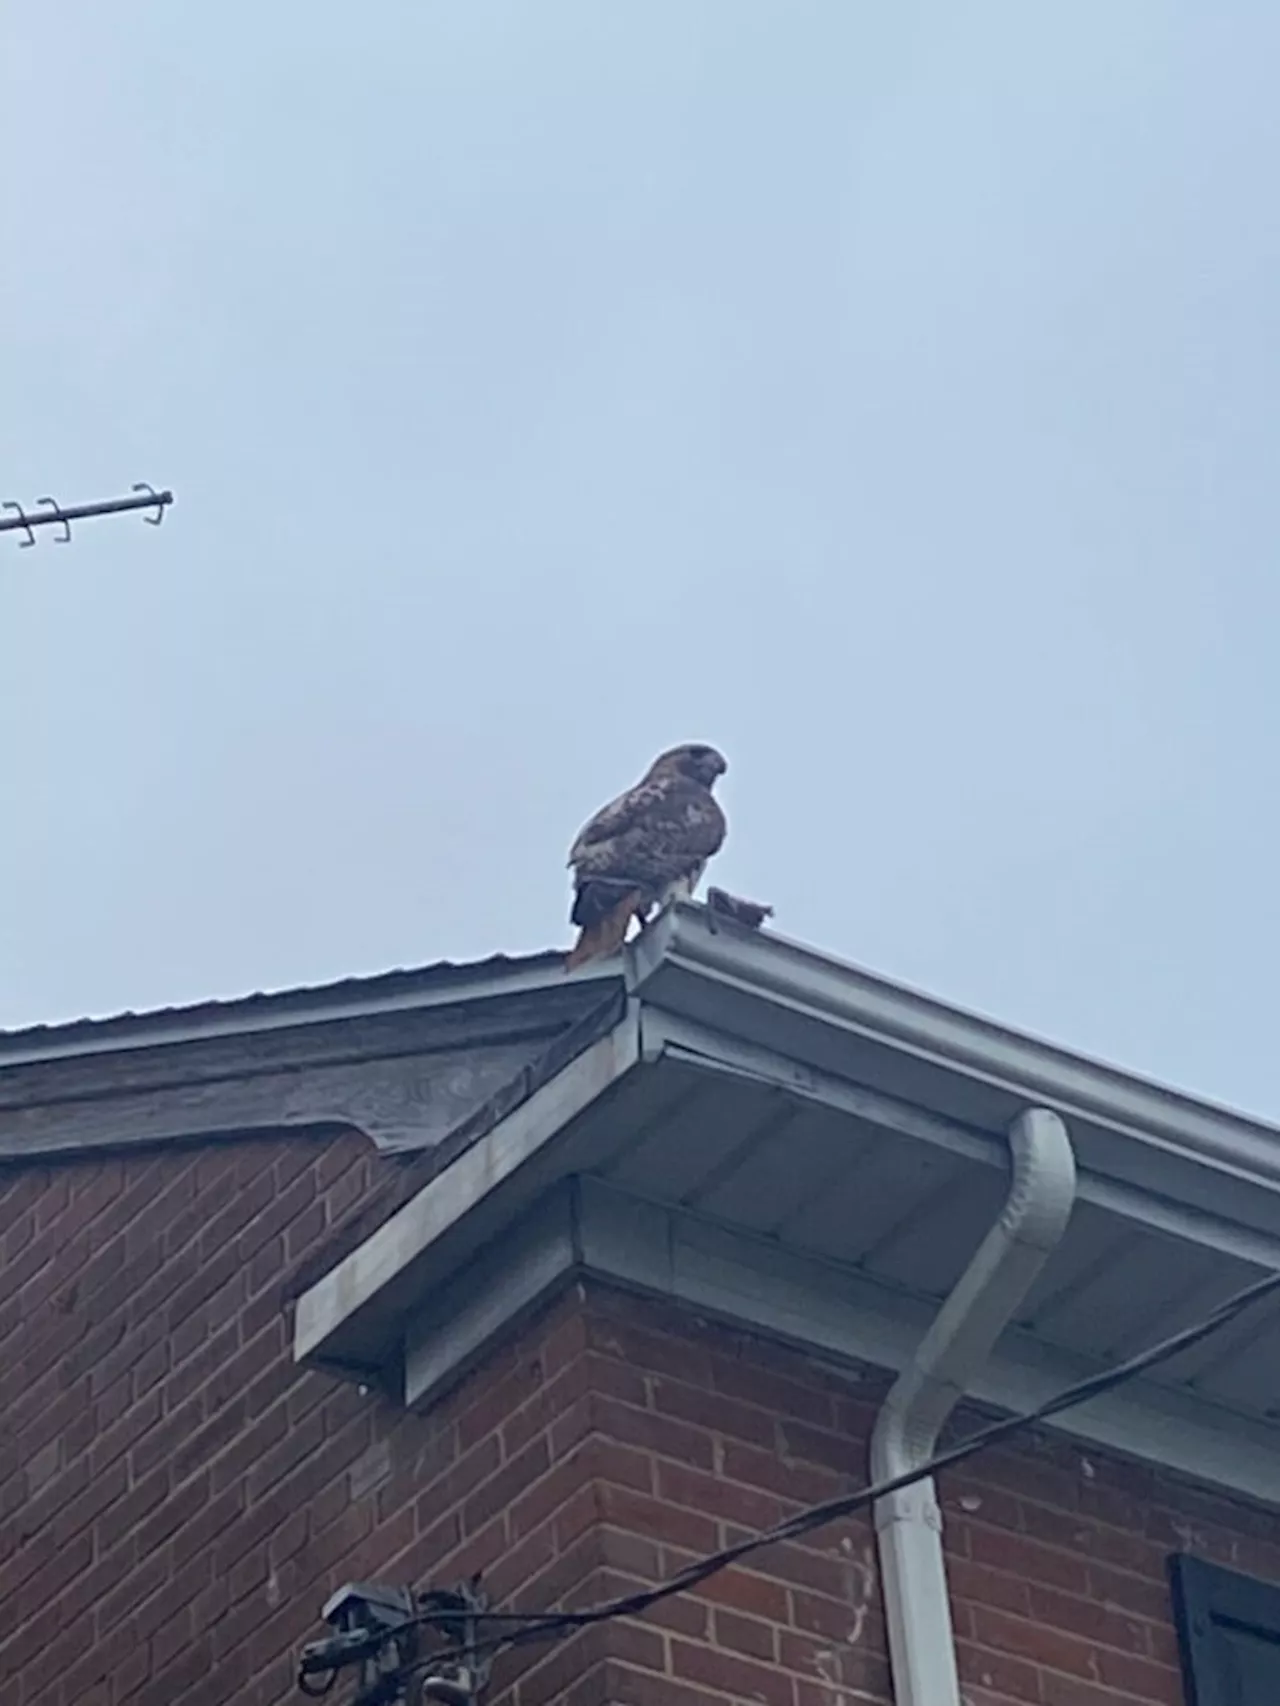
619, 815
658, 832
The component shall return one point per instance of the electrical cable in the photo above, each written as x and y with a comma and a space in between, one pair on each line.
539, 1626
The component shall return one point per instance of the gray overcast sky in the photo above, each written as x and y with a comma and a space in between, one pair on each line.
887, 393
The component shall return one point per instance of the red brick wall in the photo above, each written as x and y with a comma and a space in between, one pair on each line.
1057, 1555
176, 1498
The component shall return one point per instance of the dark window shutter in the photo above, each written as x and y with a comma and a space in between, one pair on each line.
1229, 1634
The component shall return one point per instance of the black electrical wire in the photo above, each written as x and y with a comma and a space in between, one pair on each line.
542, 1626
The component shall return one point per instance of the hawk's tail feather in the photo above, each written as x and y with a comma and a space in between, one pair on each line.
602, 911
597, 898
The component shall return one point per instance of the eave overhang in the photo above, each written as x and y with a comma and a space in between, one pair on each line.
821, 1127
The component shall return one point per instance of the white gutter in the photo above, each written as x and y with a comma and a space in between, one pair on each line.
799, 985
909, 1523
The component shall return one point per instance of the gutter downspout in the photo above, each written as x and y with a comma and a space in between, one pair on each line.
909, 1523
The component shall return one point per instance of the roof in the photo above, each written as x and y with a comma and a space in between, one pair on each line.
403, 1057
265, 1007
721, 1116
791, 1143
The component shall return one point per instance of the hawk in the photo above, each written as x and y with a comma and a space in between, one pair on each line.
644, 848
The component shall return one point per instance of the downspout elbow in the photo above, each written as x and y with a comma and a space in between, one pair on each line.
908, 1523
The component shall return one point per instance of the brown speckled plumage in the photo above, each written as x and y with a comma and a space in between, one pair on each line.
650, 843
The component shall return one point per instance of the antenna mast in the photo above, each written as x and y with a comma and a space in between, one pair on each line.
48, 512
